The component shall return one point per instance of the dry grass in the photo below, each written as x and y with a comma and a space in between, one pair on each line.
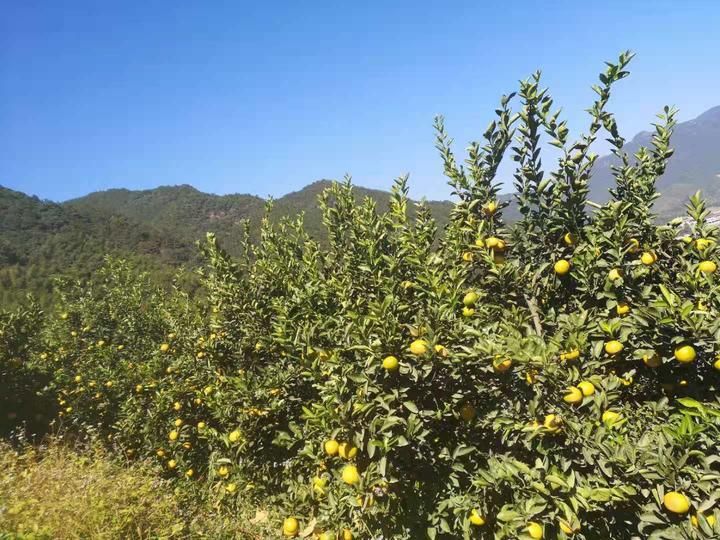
66, 493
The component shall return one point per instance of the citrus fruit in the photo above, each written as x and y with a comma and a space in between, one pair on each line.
419, 347
676, 503
685, 354
350, 475
331, 447
648, 258
573, 396
613, 347
535, 530
290, 527
390, 363
707, 267
476, 518
561, 267
587, 388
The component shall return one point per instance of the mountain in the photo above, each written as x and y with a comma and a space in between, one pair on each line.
157, 228
694, 166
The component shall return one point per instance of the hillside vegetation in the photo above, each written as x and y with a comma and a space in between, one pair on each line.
553, 378
159, 227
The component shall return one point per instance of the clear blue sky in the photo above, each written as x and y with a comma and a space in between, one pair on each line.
265, 97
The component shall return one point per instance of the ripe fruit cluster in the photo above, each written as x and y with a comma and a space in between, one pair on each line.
553, 379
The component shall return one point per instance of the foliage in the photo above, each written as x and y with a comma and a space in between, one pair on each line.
556, 377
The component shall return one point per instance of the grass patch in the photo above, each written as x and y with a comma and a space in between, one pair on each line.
65, 492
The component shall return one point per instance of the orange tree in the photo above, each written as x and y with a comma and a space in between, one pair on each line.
24, 412
553, 378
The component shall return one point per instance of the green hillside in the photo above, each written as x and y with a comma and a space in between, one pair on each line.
157, 228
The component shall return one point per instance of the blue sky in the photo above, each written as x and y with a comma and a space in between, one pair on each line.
265, 97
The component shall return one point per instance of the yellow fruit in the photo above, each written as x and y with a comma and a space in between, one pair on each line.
160, 452
709, 518
613, 347
685, 354
440, 350
208, 390
552, 422
676, 503
419, 347
476, 518
467, 412
468, 256
648, 258
470, 298
501, 366
492, 242
587, 388
535, 530
707, 267
177, 406
347, 450
347, 534
573, 396
703, 243
78, 378
716, 364
468, 312
164, 347
189, 473
490, 208
651, 360
290, 527
139, 388
569, 239
610, 417
327, 536
234, 436
614, 274
109, 384
566, 527
350, 475
201, 425
223, 471
231, 487
571, 355
178, 422
562, 267
172, 464
390, 363
622, 308
501, 245
331, 447
634, 245
173, 435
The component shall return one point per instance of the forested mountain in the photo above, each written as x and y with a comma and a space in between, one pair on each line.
159, 227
